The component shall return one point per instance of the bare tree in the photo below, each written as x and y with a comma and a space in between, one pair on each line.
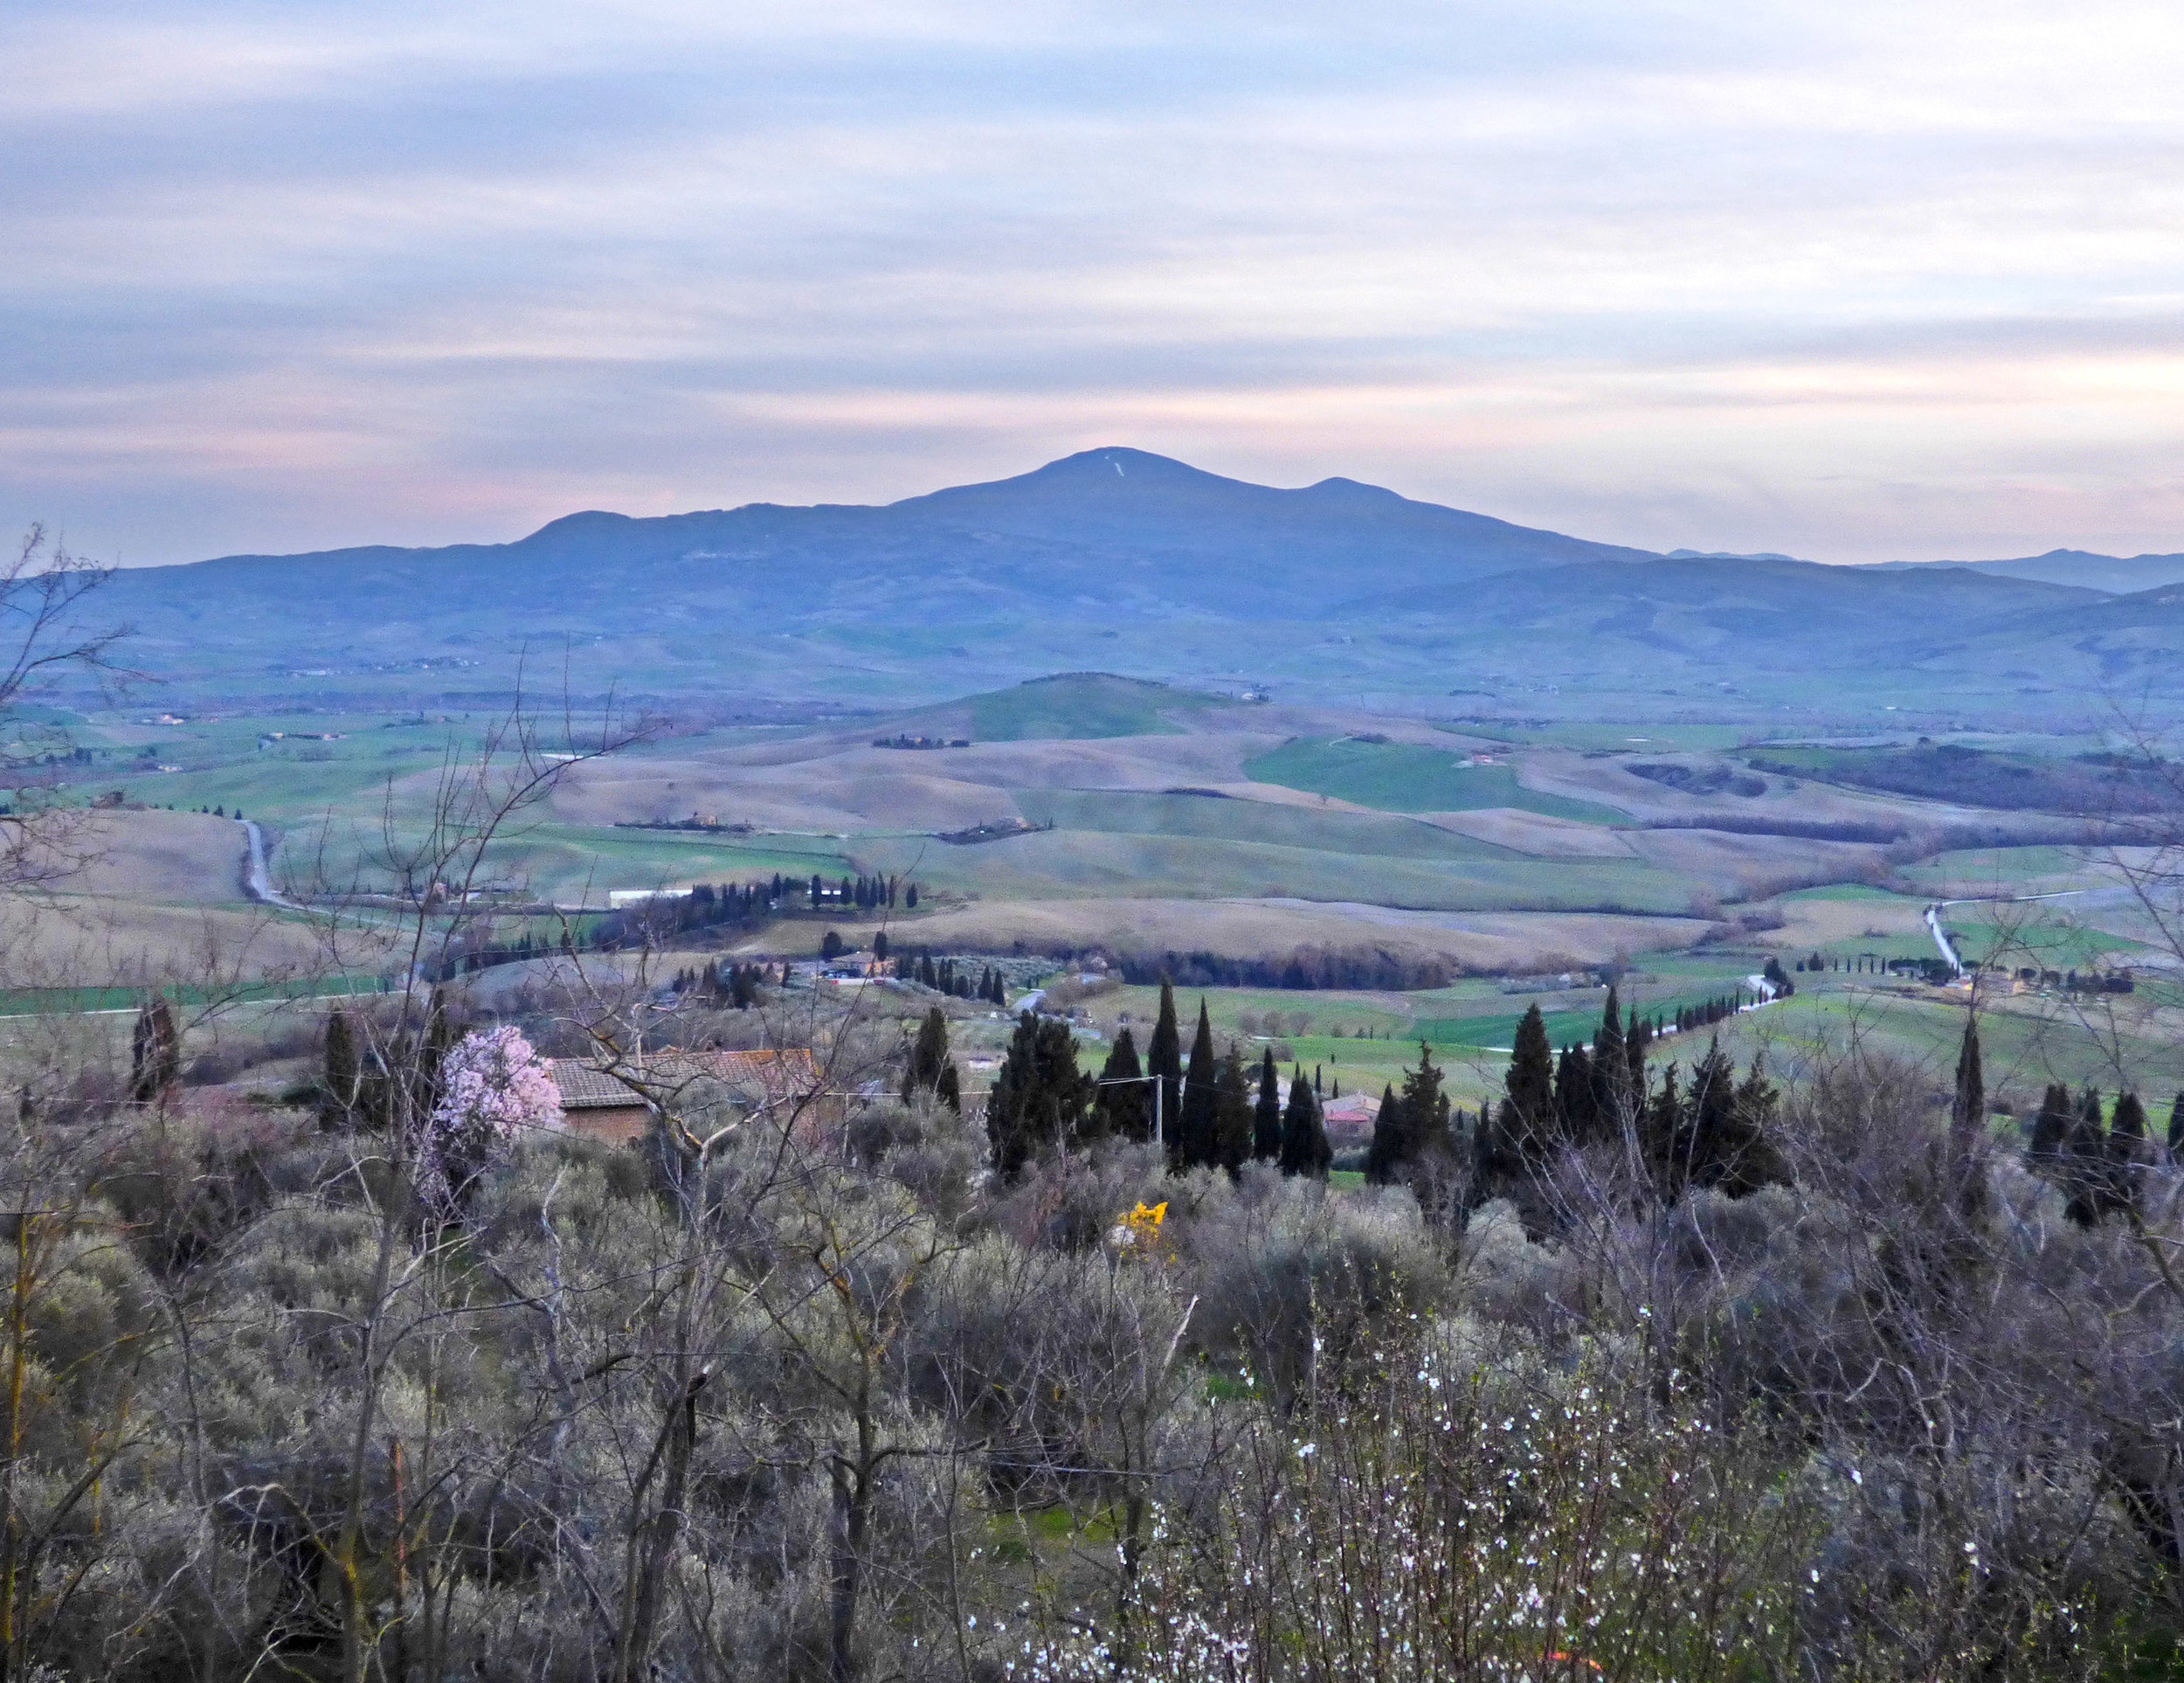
44, 633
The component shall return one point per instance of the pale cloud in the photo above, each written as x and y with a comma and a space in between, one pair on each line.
1858, 281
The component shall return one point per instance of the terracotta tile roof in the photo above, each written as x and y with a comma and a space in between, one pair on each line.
768, 1073
583, 1088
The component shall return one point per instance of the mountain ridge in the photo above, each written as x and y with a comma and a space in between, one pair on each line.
1109, 557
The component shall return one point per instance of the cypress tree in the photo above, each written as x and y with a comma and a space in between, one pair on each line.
948, 1087
1637, 1037
1717, 1135
1410, 1124
2051, 1127
2085, 1162
155, 1050
1968, 1116
1266, 1130
1232, 1116
928, 1056
1663, 1129
2176, 1125
440, 1036
1305, 1147
341, 1072
1164, 1059
1610, 1095
1197, 1128
1530, 1087
1038, 1097
1389, 1147
1124, 1107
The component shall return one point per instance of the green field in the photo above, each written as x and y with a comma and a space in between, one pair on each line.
43, 1001
1070, 864
1400, 777
1129, 812
1072, 706
2026, 1043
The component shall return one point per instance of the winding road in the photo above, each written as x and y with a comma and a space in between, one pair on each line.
1941, 936
257, 881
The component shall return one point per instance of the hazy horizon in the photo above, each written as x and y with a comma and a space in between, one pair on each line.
1891, 282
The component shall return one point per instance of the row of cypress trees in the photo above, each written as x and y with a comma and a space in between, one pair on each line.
943, 976
2096, 1164
1207, 1112
1712, 1132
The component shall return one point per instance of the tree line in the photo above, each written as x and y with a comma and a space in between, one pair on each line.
1213, 1112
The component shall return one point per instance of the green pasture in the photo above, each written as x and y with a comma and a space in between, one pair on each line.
1079, 706
50, 1001
1073, 706
1070, 864
1608, 737
1401, 777
1134, 813
2052, 942
1850, 891
2026, 1042
2007, 871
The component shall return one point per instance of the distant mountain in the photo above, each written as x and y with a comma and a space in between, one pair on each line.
1113, 560
2124, 575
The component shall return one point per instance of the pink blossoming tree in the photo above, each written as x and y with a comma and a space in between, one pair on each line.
494, 1085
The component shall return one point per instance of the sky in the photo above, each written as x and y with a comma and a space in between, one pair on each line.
1853, 281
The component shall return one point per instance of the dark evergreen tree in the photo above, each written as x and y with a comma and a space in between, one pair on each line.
1232, 1114
1389, 1147
1410, 1125
1197, 1124
1967, 1115
1611, 1098
1637, 1038
155, 1051
909, 897
1040, 1097
948, 1087
341, 1072
1266, 1128
928, 1056
1577, 1113
2085, 1163
2176, 1125
1125, 1105
832, 946
1520, 1137
1163, 1060
1305, 1147
440, 1036
2051, 1127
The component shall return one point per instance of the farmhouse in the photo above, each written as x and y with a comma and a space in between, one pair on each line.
1349, 1120
619, 1103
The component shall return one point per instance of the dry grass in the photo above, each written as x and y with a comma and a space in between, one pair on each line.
1258, 929
171, 858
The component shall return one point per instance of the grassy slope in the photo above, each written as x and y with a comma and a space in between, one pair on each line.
1129, 812
1063, 864
1073, 706
1408, 777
